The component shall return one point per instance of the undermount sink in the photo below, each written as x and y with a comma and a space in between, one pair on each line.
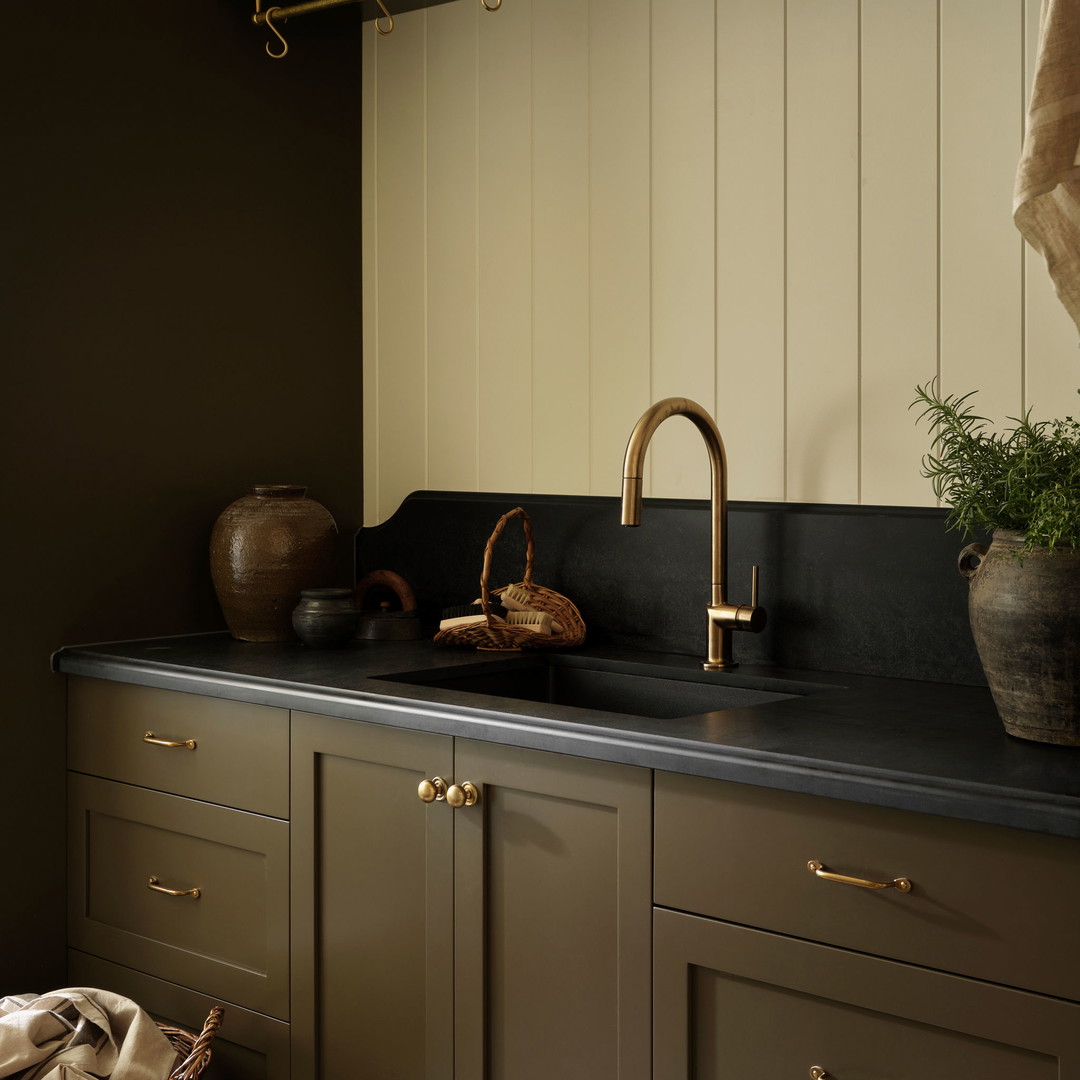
609, 686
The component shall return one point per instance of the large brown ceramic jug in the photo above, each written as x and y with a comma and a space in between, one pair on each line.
264, 549
1025, 618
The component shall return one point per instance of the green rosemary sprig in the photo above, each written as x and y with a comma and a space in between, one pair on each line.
1026, 477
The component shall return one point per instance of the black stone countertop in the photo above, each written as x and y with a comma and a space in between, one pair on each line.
928, 747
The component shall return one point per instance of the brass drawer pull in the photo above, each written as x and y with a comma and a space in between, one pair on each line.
433, 790
818, 1073
185, 744
155, 884
901, 884
465, 794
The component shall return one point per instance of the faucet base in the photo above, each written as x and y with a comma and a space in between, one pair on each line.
719, 665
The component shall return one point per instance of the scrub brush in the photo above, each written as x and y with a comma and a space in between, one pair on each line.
470, 615
515, 598
539, 622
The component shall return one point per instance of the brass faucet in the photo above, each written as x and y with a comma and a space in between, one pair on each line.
723, 616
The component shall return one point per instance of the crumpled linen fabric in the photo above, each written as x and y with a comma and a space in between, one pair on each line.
1046, 196
81, 1033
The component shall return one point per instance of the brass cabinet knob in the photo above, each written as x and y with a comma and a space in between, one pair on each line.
461, 795
818, 1073
433, 790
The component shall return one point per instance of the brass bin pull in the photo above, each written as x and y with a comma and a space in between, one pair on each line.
183, 744
155, 884
461, 795
901, 884
433, 790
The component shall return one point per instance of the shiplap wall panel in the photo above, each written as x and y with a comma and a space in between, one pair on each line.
898, 244
981, 250
369, 223
683, 237
451, 181
400, 261
750, 217
560, 186
505, 258
823, 251
790, 210
620, 310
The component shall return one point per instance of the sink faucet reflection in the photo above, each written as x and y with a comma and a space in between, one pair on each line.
723, 617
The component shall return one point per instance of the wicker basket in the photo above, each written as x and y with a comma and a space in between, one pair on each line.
496, 636
195, 1048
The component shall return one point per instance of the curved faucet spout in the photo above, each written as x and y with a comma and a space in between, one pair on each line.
723, 616
634, 470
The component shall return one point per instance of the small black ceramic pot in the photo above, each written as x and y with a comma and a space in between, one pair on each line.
325, 618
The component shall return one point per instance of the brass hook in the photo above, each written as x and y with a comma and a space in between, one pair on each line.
491, 7
277, 34
390, 17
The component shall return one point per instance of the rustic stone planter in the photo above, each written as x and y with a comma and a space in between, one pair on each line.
1025, 618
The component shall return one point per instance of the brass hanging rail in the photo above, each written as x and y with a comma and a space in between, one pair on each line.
279, 13
273, 15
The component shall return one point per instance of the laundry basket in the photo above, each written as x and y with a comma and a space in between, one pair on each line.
195, 1048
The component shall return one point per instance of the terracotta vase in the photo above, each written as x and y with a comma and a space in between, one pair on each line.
265, 549
1025, 618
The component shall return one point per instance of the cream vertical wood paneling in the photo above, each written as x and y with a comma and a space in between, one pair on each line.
981, 250
1051, 353
823, 251
750, 287
369, 255
899, 243
790, 210
619, 278
560, 219
683, 173
452, 184
402, 296
505, 248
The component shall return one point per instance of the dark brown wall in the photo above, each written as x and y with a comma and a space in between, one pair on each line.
179, 318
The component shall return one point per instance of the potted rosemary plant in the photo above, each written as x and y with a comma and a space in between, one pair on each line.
1022, 485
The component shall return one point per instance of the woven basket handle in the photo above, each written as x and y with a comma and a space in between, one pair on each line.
517, 512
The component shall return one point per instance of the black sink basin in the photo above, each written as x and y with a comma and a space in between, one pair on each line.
609, 686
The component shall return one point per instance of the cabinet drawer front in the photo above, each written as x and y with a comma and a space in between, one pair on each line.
241, 754
986, 901
248, 1046
736, 1002
231, 939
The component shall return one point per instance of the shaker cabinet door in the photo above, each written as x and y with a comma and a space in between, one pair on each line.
730, 1001
372, 903
553, 911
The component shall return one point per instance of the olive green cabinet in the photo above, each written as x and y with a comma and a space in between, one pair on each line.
733, 1001
507, 938
178, 850
375, 901
800, 936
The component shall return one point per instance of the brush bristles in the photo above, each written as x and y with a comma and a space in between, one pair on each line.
537, 621
471, 615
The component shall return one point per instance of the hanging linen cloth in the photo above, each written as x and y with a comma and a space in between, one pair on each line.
1046, 198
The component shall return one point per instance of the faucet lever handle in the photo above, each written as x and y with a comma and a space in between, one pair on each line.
750, 616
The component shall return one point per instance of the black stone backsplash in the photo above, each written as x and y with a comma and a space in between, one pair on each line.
867, 590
